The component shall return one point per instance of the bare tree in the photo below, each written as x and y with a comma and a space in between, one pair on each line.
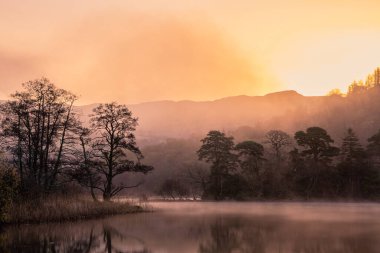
112, 143
278, 140
36, 127
83, 167
197, 176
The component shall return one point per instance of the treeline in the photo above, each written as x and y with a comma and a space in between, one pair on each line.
46, 148
307, 166
360, 86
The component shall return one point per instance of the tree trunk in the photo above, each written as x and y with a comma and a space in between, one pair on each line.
93, 195
107, 194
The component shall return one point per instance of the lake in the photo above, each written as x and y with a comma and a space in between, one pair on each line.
209, 227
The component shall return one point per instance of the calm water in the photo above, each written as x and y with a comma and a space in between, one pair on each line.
211, 228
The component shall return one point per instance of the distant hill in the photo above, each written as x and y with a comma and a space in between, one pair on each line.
286, 110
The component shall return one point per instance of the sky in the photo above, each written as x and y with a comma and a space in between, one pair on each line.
138, 51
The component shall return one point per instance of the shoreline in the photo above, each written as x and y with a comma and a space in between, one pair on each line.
60, 210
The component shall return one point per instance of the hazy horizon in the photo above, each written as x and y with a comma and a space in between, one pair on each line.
159, 50
81, 103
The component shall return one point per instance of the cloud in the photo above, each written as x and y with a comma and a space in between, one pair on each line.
133, 57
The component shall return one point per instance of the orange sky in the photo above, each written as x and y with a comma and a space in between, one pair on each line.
135, 51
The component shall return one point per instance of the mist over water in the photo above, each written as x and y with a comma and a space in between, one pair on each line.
208, 227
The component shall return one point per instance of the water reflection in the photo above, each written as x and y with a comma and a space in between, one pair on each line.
108, 239
243, 237
203, 232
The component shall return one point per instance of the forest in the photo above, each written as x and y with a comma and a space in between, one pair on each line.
314, 169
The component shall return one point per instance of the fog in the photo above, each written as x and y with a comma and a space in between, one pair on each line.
287, 110
212, 227
296, 211
170, 132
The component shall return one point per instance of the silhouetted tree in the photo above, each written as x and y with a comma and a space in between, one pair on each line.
251, 157
37, 125
314, 177
317, 144
373, 150
217, 149
374, 145
278, 140
354, 166
275, 185
112, 143
83, 165
351, 149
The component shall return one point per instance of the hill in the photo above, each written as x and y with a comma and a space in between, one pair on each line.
286, 110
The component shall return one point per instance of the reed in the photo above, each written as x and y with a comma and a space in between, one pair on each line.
59, 209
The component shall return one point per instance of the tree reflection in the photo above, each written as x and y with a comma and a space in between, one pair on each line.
224, 239
110, 233
232, 236
254, 236
101, 242
216, 233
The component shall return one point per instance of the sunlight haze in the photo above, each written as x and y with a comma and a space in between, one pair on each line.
138, 51
208, 126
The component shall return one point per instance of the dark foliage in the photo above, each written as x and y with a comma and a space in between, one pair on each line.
44, 140
37, 127
313, 170
217, 149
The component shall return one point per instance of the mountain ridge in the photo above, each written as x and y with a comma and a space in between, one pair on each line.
285, 110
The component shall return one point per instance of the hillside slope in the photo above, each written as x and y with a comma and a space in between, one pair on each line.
285, 110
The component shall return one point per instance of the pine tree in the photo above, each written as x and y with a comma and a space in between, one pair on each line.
358, 178
374, 144
351, 149
217, 149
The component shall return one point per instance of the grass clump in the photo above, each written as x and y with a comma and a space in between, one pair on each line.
59, 209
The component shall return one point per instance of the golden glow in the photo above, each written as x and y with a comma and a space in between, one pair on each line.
134, 51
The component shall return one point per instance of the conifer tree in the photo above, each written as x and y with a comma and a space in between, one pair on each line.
351, 149
217, 149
